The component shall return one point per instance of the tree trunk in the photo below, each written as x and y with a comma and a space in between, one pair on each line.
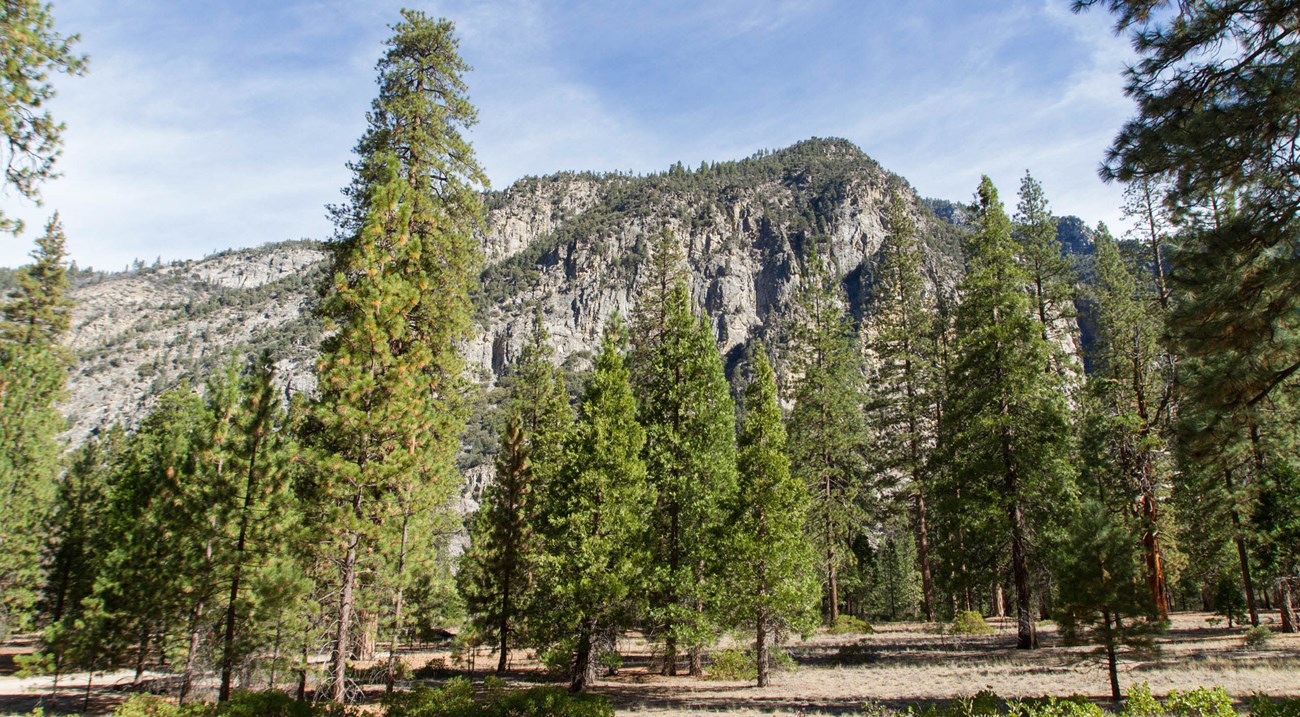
1243, 557
697, 651
669, 668
1286, 606
241, 544
923, 554
140, 656
1154, 563
339, 653
390, 679
191, 654
584, 667
999, 602
761, 650
1112, 664
1026, 636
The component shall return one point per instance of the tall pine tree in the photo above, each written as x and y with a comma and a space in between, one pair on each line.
684, 403
826, 426
773, 575
597, 512
386, 427
901, 340
1007, 438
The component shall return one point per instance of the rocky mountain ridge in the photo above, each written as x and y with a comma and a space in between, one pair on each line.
571, 246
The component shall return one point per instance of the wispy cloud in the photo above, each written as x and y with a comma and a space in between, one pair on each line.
210, 124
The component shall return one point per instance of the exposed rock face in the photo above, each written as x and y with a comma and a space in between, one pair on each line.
571, 245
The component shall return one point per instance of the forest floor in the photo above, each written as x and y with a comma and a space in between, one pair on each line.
900, 665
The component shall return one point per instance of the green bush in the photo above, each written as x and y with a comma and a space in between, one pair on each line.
1261, 705
1072, 706
855, 653
969, 622
845, 624
1257, 636
732, 664
1200, 702
147, 705
1141, 703
456, 699
269, 703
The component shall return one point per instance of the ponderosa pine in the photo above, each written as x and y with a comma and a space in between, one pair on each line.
1007, 442
826, 427
901, 339
773, 578
597, 512
386, 427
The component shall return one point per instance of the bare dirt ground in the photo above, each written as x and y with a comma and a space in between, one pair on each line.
900, 665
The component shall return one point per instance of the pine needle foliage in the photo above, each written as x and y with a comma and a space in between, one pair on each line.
385, 429
1007, 442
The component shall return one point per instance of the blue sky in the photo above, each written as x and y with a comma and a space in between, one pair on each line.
206, 124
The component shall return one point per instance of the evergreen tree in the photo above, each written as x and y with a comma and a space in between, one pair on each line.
38, 310
257, 517
1049, 271
1126, 385
826, 425
597, 513
685, 405
32, 138
1007, 439
1103, 597
75, 547
495, 572
773, 578
902, 341
385, 429
1217, 114
33, 370
147, 588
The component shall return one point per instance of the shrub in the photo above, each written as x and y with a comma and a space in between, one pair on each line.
435, 667
1261, 705
845, 624
456, 699
1072, 706
732, 664
1140, 703
147, 705
969, 622
1257, 636
269, 703
856, 653
1200, 702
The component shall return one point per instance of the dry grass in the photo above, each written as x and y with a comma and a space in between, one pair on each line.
899, 665
909, 664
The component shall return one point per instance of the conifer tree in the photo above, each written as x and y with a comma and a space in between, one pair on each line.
1103, 599
902, 340
597, 511
38, 311
495, 572
1007, 440
1126, 387
826, 425
386, 427
257, 518
1217, 115
685, 405
32, 138
75, 546
774, 579
1050, 274
33, 369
